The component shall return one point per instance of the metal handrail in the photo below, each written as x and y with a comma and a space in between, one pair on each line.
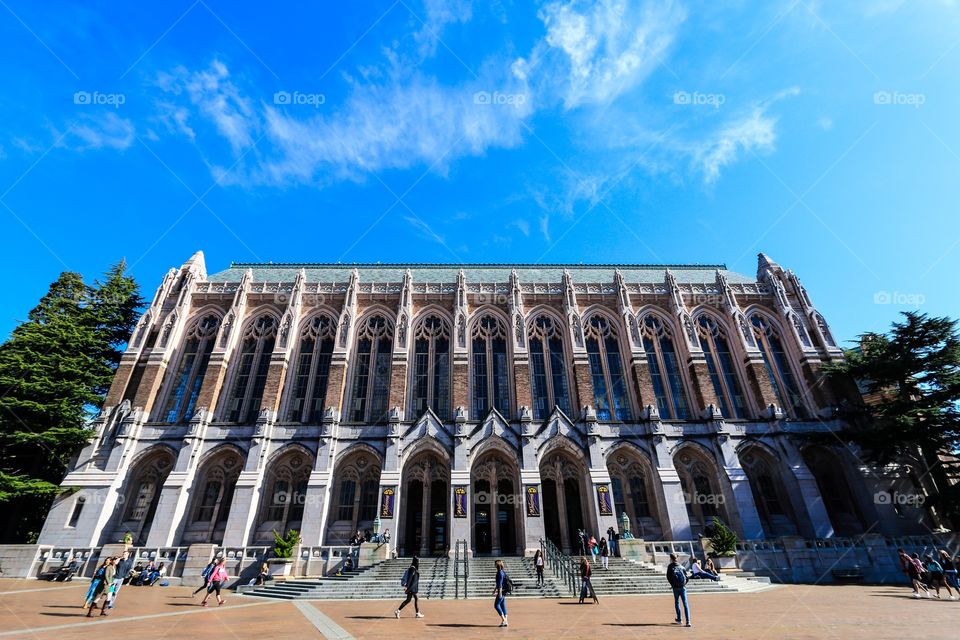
562, 566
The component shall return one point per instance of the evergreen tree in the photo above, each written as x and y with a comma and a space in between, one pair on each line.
54, 373
912, 377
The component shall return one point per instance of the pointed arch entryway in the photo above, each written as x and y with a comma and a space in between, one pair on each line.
497, 513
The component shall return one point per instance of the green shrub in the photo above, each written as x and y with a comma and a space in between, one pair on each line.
283, 545
723, 541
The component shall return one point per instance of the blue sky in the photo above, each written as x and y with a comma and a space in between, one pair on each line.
824, 134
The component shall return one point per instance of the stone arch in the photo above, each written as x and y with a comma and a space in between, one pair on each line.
212, 495
283, 493
146, 475
567, 501
704, 487
774, 489
424, 525
637, 490
355, 493
497, 498
838, 488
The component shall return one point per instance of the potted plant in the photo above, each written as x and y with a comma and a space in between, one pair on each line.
127, 538
283, 547
723, 546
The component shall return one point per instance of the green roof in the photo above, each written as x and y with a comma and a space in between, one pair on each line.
387, 272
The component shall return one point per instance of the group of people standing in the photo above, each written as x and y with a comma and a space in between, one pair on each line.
934, 571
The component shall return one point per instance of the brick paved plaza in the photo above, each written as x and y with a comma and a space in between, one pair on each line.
38, 610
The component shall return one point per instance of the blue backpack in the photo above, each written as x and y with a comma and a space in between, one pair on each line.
676, 576
405, 578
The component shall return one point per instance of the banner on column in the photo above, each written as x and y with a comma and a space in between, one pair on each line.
386, 502
533, 501
603, 500
460, 501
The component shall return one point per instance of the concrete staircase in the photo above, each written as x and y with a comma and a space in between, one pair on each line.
382, 581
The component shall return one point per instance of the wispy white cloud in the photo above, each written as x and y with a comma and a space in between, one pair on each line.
438, 14
105, 130
594, 53
754, 131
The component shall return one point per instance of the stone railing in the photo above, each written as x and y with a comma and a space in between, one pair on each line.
173, 558
325, 560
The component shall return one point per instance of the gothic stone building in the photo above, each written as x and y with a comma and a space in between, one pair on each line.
497, 404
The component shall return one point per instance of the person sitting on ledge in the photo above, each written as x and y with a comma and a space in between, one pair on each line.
698, 573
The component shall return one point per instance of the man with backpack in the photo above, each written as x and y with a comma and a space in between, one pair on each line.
677, 578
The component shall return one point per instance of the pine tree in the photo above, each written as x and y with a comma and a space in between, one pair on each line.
912, 375
54, 373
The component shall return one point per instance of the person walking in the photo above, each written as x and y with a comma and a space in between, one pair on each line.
611, 541
912, 570
500, 591
604, 554
586, 586
677, 578
103, 587
205, 574
411, 584
936, 576
218, 579
594, 549
949, 569
538, 564
124, 567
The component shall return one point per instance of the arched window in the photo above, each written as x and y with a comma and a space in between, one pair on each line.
777, 365
143, 494
699, 481
371, 378
548, 368
664, 370
216, 480
287, 483
606, 371
356, 495
313, 370
197, 346
254, 360
491, 376
431, 367
720, 366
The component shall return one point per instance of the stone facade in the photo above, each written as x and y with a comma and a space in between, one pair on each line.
493, 403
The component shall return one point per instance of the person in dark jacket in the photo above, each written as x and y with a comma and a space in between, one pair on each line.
411, 586
124, 567
500, 594
677, 578
586, 586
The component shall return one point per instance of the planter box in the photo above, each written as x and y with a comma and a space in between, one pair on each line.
725, 563
280, 566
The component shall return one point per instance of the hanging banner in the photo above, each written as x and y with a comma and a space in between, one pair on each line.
533, 501
460, 501
603, 500
386, 502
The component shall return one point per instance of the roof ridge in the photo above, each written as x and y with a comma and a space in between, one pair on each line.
449, 265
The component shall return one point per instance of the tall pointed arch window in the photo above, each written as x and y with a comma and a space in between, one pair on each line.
720, 366
371, 379
312, 370
606, 371
548, 368
431, 367
777, 366
491, 377
198, 344
664, 369
256, 346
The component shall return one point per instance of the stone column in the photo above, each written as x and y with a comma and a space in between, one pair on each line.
817, 522
425, 517
751, 527
678, 526
494, 515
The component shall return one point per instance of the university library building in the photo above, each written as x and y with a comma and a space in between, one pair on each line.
493, 404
